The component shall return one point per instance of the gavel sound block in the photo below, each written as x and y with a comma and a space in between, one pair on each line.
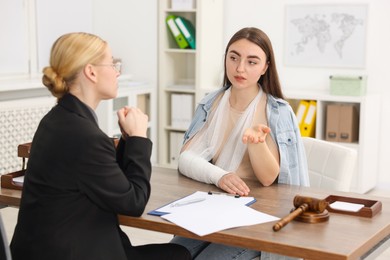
307, 209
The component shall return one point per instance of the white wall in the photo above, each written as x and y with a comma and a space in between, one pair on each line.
130, 28
269, 16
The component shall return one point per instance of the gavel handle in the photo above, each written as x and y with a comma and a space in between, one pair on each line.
284, 221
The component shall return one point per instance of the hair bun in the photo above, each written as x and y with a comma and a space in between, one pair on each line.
54, 82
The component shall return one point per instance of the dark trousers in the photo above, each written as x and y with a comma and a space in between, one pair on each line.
158, 251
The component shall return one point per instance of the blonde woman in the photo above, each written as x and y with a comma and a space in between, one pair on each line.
76, 181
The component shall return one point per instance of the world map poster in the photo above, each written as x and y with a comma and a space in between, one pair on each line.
326, 35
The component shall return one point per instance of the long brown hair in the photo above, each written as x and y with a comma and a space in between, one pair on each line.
270, 80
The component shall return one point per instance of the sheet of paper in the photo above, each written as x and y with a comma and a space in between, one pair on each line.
18, 180
346, 206
214, 214
211, 199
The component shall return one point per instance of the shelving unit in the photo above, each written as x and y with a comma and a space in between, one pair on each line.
367, 146
187, 71
136, 94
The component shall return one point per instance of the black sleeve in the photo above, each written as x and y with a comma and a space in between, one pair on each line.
120, 149
120, 186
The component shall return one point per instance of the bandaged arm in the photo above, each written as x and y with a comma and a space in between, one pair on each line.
197, 168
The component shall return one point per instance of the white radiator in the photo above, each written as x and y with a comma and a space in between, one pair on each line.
19, 120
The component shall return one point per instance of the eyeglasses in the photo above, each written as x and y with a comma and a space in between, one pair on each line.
117, 65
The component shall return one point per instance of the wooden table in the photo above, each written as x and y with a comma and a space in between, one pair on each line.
341, 237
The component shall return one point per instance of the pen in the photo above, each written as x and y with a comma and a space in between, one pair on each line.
221, 193
183, 203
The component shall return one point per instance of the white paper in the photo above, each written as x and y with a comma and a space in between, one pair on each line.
215, 213
18, 180
346, 206
210, 200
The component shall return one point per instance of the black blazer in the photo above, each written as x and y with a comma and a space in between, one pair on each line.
75, 185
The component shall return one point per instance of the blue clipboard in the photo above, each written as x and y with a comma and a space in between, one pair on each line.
160, 211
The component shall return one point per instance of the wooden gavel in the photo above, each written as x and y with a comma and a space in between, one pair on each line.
302, 204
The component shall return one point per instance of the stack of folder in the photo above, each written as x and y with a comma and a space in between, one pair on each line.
182, 110
175, 145
342, 123
306, 116
182, 31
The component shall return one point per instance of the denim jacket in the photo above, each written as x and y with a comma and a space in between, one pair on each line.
284, 131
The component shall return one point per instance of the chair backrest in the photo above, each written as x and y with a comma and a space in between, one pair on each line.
331, 165
5, 253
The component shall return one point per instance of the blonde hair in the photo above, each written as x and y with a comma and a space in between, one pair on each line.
69, 55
